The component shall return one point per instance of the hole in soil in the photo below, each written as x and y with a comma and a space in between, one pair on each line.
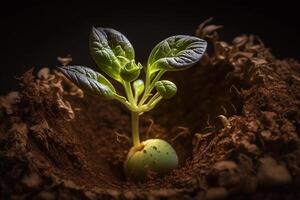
101, 127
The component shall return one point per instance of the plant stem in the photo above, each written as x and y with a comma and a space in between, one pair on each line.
153, 98
123, 100
129, 93
135, 128
136, 98
149, 86
157, 77
153, 104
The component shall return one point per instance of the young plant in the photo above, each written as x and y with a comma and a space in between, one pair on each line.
115, 56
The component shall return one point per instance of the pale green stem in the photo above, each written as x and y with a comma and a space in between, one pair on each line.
129, 93
157, 77
135, 98
153, 104
135, 128
132, 104
122, 100
153, 98
134, 115
148, 78
145, 94
149, 88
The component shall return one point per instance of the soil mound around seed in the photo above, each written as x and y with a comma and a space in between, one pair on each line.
235, 124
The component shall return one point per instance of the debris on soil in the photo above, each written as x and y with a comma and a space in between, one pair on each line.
57, 143
8, 101
272, 174
216, 193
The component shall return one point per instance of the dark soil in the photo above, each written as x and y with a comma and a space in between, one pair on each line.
235, 124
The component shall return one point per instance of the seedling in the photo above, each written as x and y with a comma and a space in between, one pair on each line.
115, 56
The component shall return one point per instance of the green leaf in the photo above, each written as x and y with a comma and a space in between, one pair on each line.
111, 50
131, 71
176, 53
166, 89
89, 80
138, 87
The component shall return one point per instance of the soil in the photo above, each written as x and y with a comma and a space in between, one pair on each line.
235, 124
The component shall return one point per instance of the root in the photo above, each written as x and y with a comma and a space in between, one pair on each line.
209, 127
224, 110
234, 108
233, 89
119, 135
224, 120
149, 128
184, 132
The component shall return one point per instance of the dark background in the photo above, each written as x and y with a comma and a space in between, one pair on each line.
34, 33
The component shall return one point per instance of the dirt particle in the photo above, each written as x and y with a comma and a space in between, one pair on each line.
129, 195
270, 173
216, 193
225, 165
227, 173
250, 184
46, 195
32, 180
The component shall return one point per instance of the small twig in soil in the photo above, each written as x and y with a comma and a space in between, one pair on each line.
123, 136
208, 119
233, 89
208, 127
200, 137
149, 128
224, 120
234, 108
296, 78
224, 110
184, 131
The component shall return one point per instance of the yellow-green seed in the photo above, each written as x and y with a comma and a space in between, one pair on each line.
153, 155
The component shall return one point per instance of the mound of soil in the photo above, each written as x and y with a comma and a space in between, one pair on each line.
235, 124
